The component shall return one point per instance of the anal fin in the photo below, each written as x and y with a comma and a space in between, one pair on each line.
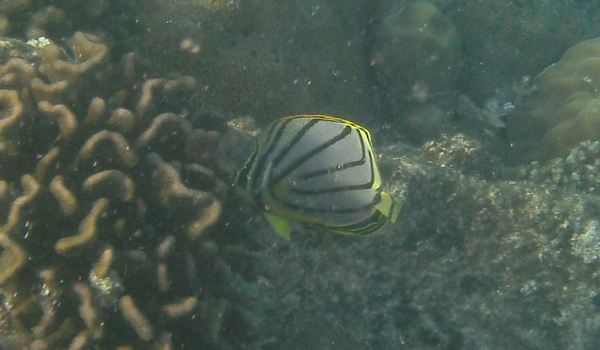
282, 226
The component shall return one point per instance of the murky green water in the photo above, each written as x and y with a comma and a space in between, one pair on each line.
122, 124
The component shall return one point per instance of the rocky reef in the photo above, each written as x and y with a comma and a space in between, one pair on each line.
477, 261
106, 190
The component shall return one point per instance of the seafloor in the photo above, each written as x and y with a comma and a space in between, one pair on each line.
122, 124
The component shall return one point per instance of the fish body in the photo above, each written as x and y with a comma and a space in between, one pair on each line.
320, 170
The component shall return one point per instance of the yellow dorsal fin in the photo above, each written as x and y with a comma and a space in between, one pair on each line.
282, 226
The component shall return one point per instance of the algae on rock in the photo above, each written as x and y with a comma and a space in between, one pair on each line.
468, 257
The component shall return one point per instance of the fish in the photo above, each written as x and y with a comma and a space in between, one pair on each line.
317, 169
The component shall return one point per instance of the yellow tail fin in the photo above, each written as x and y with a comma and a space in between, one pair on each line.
389, 206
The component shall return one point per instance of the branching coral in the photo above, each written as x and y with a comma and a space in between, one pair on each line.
101, 196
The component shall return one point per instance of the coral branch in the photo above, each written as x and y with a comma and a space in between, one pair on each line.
12, 258
123, 120
89, 52
32, 189
172, 192
102, 267
67, 121
119, 144
165, 120
136, 318
11, 109
210, 215
96, 112
166, 247
146, 99
49, 304
66, 199
80, 341
19, 69
181, 308
111, 183
162, 277
87, 310
48, 92
45, 163
88, 229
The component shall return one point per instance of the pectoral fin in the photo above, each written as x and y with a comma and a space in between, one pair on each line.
282, 227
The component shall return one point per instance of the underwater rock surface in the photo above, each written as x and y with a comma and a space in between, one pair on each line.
473, 264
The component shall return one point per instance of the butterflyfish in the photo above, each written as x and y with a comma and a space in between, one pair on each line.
317, 169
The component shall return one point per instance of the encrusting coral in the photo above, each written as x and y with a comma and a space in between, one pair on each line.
103, 190
563, 109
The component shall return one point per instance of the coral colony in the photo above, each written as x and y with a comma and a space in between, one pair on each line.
89, 153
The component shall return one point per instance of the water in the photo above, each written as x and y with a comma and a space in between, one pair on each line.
494, 154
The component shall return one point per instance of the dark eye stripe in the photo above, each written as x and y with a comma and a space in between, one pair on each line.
343, 166
241, 178
347, 130
257, 171
364, 186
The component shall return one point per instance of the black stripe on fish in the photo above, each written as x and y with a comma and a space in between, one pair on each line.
241, 178
365, 227
292, 206
285, 149
345, 132
340, 167
257, 172
364, 186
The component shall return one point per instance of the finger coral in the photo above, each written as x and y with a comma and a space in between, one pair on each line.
102, 195
563, 109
